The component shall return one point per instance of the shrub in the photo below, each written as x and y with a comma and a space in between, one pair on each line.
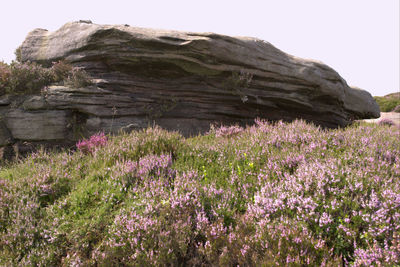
77, 78
5, 73
61, 70
31, 78
18, 54
28, 78
68, 75
396, 109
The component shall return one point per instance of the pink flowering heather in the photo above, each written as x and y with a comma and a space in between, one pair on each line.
91, 144
271, 194
228, 131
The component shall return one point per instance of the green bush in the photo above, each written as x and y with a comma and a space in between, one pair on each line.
386, 103
5, 73
18, 54
28, 78
61, 70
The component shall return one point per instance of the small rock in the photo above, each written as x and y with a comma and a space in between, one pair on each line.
85, 21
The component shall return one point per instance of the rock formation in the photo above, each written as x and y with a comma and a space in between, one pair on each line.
179, 80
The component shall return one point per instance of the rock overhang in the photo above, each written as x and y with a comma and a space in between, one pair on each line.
184, 81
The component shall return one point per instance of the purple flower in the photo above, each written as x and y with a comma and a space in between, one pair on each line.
228, 131
90, 145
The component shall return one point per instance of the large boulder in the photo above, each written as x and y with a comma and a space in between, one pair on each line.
179, 80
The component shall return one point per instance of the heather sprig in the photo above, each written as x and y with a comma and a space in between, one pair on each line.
90, 145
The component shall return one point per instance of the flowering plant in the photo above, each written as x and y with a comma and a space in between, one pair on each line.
90, 145
275, 194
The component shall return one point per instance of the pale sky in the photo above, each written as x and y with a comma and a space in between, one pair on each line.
358, 38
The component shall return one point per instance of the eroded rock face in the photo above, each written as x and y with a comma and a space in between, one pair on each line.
37, 125
179, 80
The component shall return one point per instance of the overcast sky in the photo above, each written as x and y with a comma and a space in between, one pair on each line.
358, 38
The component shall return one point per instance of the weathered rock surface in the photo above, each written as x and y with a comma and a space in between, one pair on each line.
38, 125
5, 136
179, 80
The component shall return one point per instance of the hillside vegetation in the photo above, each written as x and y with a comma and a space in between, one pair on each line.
389, 103
271, 194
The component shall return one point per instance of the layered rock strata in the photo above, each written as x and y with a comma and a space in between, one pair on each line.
179, 80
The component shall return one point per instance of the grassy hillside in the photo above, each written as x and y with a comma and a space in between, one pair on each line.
270, 194
389, 102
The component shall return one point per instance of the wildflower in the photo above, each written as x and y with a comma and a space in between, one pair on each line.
228, 131
91, 144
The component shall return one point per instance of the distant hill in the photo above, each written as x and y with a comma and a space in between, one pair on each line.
388, 103
393, 95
